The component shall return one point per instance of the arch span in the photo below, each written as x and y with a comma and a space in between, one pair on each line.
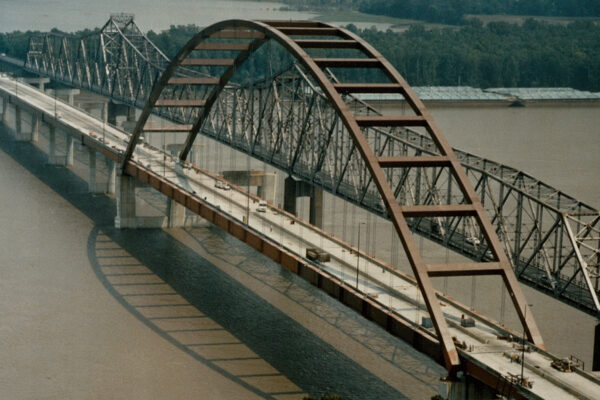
242, 38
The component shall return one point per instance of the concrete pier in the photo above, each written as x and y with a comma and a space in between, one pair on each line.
316, 206
176, 214
111, 180
4, 109
125, 190
35, 127
111, 113
53, 157
127, 216
39, 81
69, 151
68, 94
93, 186
93, 106
131, 114
18, 122
263, 181
294, 189
114, 110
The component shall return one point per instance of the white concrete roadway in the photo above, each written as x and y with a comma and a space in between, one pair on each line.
391, 290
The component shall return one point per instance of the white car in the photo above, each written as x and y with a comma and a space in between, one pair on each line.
473, 240
222, 185
262, 207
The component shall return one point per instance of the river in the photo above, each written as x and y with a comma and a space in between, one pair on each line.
557, 144
60, 321
73, 15
60, 324
89, 311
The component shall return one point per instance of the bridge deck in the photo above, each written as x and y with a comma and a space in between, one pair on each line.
392, 292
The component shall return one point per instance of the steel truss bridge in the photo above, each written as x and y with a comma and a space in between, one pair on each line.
307, 121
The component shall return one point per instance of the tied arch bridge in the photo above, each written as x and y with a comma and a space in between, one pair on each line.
307, 121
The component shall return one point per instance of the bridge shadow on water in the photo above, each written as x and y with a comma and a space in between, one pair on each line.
253, 324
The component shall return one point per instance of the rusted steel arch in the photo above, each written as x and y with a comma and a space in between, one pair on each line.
258, 32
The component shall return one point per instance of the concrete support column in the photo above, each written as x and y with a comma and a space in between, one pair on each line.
4, 109
68, 94
267, 189
176, 214
69, 151
125, 201
35, 127
18, 125
290, 195
53, 157
596, 356
91, 171
104, 112
294, 189
39, 81
51, 143
111, 166
32, 135
93, 185
111, 114
316, 207
131, 114
87, 107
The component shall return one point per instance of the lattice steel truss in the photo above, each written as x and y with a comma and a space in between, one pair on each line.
117, 61
290, 122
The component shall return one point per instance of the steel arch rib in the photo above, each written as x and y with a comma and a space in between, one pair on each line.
281, 32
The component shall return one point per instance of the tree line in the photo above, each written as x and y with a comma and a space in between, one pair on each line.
499, 54
534, 54
454, 11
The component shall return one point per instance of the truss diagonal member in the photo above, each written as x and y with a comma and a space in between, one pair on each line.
583, 266
291, 35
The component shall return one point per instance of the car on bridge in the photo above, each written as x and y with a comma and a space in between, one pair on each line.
262, 207
222, 185
473, 240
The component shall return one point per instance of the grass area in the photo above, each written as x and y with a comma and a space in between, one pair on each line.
519, 19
